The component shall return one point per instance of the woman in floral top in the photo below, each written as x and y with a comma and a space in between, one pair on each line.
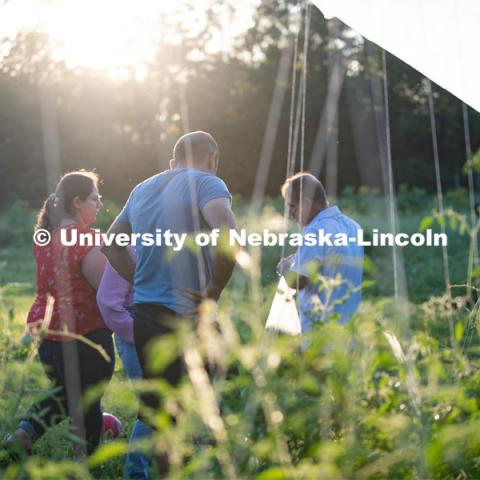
70, 275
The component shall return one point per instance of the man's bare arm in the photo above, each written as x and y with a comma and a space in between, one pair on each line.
218, 215
118, 256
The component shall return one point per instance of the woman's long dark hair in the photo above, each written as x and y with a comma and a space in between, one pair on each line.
60, 204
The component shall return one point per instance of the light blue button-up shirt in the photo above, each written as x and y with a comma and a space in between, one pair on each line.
335, 271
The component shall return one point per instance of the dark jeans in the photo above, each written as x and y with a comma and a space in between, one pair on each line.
74, 367
152, 322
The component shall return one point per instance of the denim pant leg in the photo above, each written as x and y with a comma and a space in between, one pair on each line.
137, 465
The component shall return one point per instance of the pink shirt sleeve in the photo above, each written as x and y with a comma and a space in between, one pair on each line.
113, 296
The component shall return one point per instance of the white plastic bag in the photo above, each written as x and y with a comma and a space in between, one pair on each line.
283, 316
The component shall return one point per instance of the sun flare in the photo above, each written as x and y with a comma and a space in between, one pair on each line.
115, 35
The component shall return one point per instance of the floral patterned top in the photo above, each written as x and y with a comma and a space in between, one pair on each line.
59, 274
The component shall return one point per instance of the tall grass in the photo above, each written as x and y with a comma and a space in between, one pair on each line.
360, 401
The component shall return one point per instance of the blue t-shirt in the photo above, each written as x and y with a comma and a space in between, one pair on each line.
171, 200
340, 267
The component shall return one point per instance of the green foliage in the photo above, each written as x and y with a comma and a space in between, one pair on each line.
472, 164
16, 225
356, 402
364, 200
363, 401
108, 451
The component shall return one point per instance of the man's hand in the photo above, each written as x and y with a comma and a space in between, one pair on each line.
294, 280
213, 292
285, 264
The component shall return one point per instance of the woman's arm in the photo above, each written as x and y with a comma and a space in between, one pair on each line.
93, 265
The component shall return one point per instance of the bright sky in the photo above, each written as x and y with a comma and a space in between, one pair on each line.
437, 37
110, 34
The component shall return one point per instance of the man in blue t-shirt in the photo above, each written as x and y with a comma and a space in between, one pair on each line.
328, 276
169, 283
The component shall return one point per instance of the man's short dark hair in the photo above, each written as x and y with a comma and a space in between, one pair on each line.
194, 147
306, 184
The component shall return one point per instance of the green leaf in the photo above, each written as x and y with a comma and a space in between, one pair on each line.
453, 222
476, 272
108, 451
311, 385
458, 331
368, 283
434, 453
426, 222
475, 162
273, 474
369, 266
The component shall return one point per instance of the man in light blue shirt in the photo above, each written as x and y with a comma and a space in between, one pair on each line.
328, 276
170, 284
172, 201
184, 200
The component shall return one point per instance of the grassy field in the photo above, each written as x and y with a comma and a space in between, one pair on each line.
389, 395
